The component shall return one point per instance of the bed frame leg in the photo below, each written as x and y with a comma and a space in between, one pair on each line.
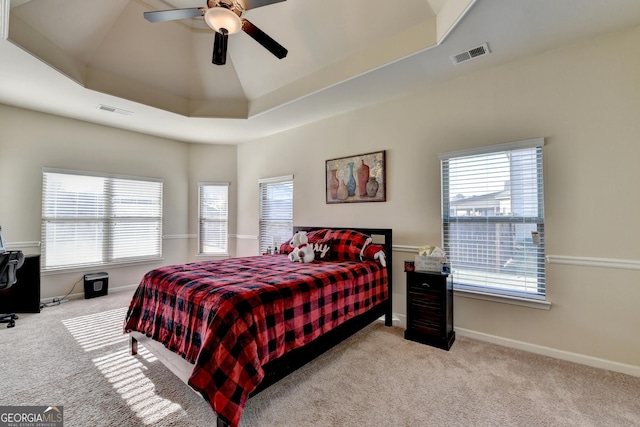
134, 346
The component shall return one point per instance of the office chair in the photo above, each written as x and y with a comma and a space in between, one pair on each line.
10, 262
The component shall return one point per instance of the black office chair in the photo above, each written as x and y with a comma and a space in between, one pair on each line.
10, 262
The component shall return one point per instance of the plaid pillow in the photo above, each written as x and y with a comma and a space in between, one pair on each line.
370, 254
348, 245
322, 248
316, 235
312, 236
371, 250
286, 248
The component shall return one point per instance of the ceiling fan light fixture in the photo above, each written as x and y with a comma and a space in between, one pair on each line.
218, 18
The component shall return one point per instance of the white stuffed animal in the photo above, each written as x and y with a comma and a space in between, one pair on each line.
302, 250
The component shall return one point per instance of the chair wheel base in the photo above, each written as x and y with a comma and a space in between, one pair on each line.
9, 319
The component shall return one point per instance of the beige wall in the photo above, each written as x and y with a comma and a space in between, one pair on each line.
585, 102
30, 141
211, 163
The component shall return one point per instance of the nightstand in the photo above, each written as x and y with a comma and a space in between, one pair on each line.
430, 309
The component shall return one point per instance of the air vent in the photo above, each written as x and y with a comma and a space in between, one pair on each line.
114, 110
470, 54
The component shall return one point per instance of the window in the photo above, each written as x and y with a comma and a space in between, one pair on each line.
493, 219
276, 211
91, 219
214, 218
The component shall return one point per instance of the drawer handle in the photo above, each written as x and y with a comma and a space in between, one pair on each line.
426, 285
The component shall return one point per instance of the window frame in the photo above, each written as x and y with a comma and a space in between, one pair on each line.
202, 220
111, 196
484, 289
284, 225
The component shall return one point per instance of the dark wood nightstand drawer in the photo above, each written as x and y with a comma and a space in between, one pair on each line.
426, 286
430, 309
425, 301
427, 326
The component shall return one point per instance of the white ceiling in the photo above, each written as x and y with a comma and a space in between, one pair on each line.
66, 57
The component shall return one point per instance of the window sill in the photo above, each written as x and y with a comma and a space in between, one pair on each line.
523, 302
212, 255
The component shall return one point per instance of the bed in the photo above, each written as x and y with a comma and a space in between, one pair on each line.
230, 328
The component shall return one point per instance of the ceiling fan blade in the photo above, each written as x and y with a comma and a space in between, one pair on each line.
252, 4
171, 15
220, 47
261, 37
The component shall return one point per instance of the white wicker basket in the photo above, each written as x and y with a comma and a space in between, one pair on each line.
429, 263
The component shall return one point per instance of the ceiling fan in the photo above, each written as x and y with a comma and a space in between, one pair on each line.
224, 17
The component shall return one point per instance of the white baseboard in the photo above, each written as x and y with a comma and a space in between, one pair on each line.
552, 352
80, 295
124, 288
400, 320
538, 349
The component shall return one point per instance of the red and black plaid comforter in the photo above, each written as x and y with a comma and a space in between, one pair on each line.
230, 317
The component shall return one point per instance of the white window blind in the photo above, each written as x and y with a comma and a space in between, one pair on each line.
214, 218
493, 219
276, 211
90, 220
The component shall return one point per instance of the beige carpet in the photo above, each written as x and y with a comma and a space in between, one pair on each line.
74, 355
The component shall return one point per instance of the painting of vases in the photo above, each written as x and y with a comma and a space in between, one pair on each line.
356, 179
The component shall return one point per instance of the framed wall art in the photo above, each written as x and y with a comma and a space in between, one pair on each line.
356, 179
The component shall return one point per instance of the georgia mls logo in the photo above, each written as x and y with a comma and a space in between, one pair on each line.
31, 416
57, 412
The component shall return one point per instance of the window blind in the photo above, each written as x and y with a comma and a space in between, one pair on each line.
276, 211
214, 218
88, 219
493, 219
